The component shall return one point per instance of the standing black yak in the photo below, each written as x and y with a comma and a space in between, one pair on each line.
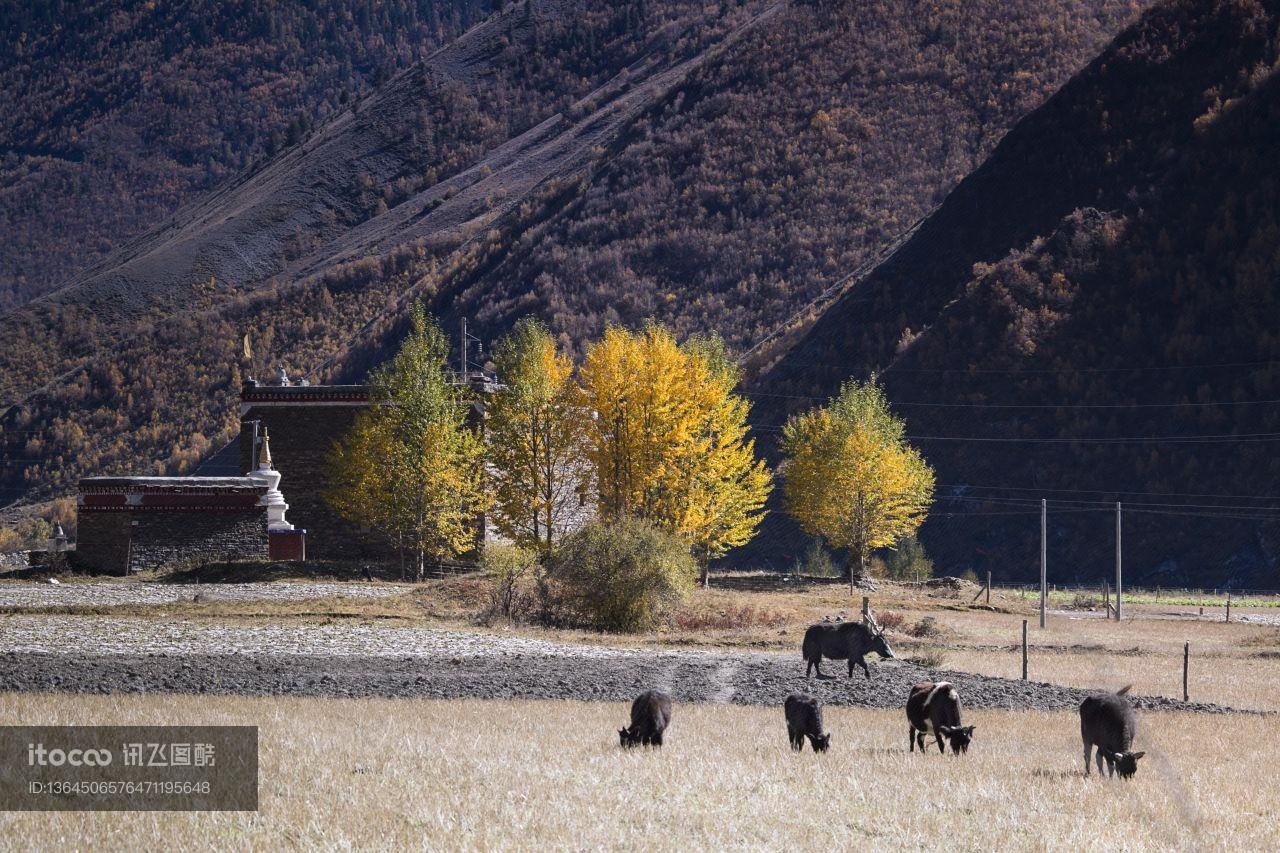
650, 716
804, 719
1107, 721
849, 641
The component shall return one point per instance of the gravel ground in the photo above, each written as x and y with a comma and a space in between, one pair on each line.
32, 594
143, 656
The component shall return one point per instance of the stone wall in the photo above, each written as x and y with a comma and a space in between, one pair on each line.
171, 540
102, 542
151, 540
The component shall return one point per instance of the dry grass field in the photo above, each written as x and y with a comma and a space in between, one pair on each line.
383, 774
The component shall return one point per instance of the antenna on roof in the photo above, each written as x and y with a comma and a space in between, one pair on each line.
463, 362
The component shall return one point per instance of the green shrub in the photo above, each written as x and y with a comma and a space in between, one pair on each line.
908, 561
509, 568
617, 577
817, 562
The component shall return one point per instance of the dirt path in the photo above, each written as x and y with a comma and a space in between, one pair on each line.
107, 655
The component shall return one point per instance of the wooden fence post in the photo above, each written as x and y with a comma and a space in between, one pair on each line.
1228, 605
988, 587
1186, 663
866, 609
1024, 649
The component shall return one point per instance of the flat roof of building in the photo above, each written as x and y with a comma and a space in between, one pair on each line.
186, 484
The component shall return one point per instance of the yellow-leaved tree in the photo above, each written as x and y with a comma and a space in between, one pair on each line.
851, 477
412, 466
669, 439
537, 436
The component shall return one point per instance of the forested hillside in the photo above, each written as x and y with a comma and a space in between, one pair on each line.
793, 158
1091, 317
714, 166
118, 111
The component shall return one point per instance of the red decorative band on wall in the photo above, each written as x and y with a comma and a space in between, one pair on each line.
304, 395
254, 491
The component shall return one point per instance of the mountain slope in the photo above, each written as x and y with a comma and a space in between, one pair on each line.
587, 161
1091, 316
118, 111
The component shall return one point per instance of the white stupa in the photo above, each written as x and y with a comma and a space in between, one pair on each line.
273, 500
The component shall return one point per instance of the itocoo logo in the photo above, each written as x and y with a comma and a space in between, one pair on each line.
37, 755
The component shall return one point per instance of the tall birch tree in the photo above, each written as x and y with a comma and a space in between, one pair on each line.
537, 439
851, 477
412, 465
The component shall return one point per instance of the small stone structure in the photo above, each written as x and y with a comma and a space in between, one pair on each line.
130, 524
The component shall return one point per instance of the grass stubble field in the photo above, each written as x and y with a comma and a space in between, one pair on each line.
425, 774
498, 774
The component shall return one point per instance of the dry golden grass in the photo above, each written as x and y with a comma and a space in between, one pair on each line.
504, 775
1231, 664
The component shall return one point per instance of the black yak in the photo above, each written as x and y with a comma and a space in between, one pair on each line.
849, 641
935, 709
804, 719
650, 716
1107, 722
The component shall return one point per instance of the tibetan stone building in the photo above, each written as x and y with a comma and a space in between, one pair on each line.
304, 422
131, 524
287, 429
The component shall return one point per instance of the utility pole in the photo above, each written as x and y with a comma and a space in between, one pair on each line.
462, 363
1044, 559
1119, 605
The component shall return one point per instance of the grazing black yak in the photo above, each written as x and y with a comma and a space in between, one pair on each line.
935, 709
849, 641
1107, 722
804, 719
650, 716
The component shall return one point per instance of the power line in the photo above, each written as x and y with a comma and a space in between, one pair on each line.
1269, 518
1106, 505
923, 404
1163, 439
1015, 371
1040, 489
1255, 437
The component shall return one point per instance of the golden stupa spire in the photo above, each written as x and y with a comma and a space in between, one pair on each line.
264, 452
